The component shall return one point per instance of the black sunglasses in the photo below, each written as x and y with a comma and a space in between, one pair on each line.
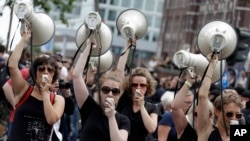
141, 85
231, 114
106, 90
42, 68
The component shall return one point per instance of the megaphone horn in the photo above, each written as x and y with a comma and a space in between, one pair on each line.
40, 24
106, 61
131, 23
217, 36
101, 33
185, 60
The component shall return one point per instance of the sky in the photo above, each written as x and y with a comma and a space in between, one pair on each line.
4, 27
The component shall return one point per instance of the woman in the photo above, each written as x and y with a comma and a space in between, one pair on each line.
166, 129
231, 104
142, 115
100, 122
34, 118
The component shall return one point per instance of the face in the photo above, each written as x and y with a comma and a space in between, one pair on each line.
45, 70
232, 112
187, 102
110, 89
139, 82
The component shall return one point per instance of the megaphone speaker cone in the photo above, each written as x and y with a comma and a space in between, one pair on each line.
217, 36
132, 22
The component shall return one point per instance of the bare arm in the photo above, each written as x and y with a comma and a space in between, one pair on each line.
19, 84
124, 57
180, 120
203, 119
163, 132
150, 121
80, 89
9, 94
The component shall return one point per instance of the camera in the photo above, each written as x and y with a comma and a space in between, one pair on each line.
64, 85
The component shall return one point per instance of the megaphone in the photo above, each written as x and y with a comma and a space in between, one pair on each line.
40, 24
219, 37
197, 63
106, 61
94, 28
131, 23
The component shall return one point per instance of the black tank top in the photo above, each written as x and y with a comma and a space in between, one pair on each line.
215, 135
189, 134
30, 123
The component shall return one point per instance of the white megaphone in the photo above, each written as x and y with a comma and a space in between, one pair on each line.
40, 24
132, 23
219, 37
197, 63
94, 28
106, 61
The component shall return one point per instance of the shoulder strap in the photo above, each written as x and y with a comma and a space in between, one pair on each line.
22, 100
25, 96
52, 97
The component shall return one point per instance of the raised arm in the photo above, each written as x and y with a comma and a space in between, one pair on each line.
19, 84
204, 124
79, 85
124, 57
179, 116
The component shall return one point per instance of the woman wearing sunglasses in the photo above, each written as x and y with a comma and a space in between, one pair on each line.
35, 112
100, 121
142, 115
230, 112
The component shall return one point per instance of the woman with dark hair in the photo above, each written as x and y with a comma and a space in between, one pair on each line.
37, 108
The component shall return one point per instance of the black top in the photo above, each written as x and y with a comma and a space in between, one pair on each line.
138, 132
95, 126
189, 134
30, 123
215, 135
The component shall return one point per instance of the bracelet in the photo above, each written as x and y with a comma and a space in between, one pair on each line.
188, 84
208, 76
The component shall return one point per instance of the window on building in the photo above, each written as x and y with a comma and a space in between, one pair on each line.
111, 15
149, 19
102, 1
155, 36
114, 2
102, 13
138, 4
126, 3
157, 22
76, 10
160, 6
150, 4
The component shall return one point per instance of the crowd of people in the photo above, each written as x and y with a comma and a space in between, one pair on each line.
49, 99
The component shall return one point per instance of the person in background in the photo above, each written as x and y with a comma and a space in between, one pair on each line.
231, 105
166, 129
184, 128
34, 114
142, 114
99, 121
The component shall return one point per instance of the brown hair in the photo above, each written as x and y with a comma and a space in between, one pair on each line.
151, 82
229, 96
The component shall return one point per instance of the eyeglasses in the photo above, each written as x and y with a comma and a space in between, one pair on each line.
135, 85
231, 114
42, 68
106, 90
